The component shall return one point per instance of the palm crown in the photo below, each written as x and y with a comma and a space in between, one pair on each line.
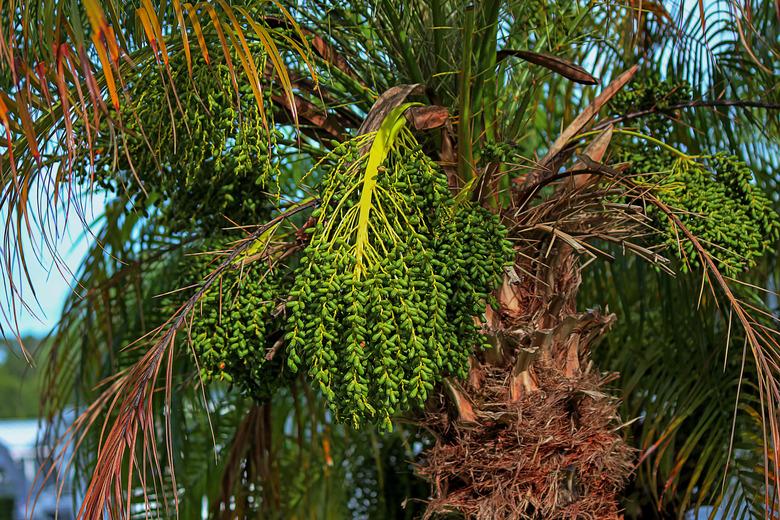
328, 223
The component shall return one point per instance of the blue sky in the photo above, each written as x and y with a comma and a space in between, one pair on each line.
52, 282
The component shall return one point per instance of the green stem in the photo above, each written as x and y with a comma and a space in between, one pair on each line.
438, 38
403, 42
485, 89
465, 151
645, 137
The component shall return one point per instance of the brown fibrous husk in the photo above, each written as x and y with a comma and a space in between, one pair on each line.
554, 453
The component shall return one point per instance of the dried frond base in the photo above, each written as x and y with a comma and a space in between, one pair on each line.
552, 454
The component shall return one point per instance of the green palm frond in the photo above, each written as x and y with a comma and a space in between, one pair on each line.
678, 382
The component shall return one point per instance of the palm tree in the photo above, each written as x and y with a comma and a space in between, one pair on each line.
361, 255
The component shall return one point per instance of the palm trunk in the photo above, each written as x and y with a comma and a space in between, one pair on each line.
531, 434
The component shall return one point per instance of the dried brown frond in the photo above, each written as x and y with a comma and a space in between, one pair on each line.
585, 214
127, 457
761, 338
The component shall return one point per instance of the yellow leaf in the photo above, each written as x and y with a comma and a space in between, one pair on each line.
148, 30
276, 60
183, 29
247, 60
191, 12
107, 73
393, 123
156, 27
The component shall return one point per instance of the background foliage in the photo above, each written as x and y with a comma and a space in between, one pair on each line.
19, 382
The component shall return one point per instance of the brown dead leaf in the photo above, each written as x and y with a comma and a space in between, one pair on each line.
558, 65
428, 117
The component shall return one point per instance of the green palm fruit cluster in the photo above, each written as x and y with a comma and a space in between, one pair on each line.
716, 200
201, 148
651, 93
237, 322
383, 302
713, 196
473, 250
493, 151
